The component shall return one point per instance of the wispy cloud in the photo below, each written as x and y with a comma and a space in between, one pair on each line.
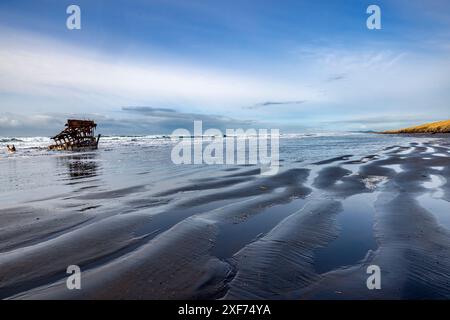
336, 77
33, 65
168, 119
147, 110
131, 121
275, 103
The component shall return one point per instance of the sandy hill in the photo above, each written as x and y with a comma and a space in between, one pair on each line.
434, 127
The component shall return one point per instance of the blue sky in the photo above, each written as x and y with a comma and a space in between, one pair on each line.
154, 66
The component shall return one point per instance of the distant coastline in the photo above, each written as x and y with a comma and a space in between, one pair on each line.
442, 127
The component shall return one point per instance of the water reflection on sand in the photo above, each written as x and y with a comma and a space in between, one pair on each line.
128, 216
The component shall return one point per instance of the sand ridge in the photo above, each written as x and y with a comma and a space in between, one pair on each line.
164, 245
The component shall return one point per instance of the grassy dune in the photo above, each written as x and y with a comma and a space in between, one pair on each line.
434, 127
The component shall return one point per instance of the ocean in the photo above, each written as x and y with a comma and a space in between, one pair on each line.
124, 161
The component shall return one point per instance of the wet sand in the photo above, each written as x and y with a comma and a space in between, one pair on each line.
307, 233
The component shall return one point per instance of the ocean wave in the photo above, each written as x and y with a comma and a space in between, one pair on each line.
30, 146
10, 140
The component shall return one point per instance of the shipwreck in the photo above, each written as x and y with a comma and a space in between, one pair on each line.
79, 135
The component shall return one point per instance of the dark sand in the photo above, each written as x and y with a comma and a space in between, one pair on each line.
306, 233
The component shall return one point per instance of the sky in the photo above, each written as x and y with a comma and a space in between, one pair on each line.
150, 67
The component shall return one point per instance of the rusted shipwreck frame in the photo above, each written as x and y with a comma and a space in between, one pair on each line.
77, 136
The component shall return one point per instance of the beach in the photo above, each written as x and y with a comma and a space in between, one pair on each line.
141, 227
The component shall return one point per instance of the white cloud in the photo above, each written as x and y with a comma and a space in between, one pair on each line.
42, 75
46, 68
381, 80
